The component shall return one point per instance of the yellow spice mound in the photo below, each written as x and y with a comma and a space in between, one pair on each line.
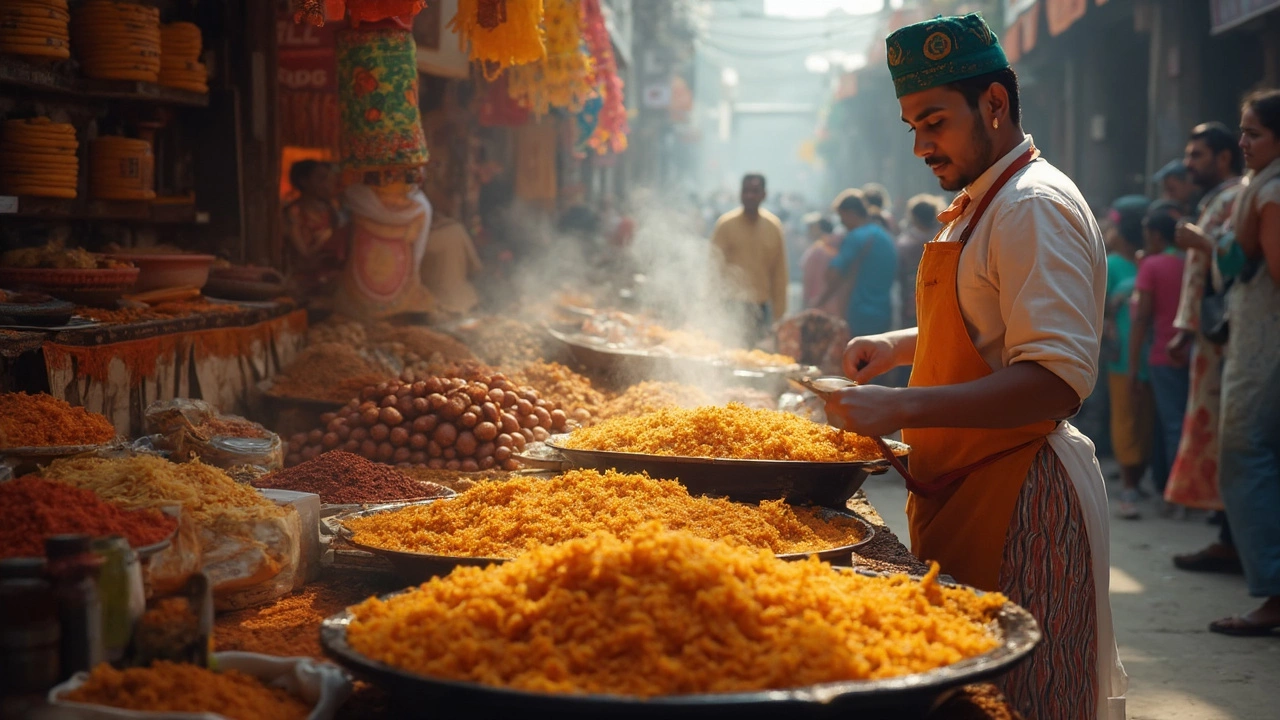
505, 519
731, 431
172, 687
209, 494
667, 613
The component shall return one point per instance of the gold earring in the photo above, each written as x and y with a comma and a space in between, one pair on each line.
995, 123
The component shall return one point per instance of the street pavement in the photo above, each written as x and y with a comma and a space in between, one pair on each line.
1178, 670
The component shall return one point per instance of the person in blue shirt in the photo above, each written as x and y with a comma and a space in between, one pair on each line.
864, 268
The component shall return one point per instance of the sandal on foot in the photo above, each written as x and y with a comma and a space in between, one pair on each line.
1205, 561
1240, 626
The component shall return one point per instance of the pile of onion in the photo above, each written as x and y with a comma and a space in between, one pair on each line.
440, 423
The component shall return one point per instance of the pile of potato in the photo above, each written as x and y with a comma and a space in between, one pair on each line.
439, 423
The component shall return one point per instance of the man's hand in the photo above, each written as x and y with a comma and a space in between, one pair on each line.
1179, 348
869, 410
1189, 236
866, 358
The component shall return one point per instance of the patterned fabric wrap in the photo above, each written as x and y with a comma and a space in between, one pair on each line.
940, 51
378, 96
585, 123
611, 130
565, 77
1047, 568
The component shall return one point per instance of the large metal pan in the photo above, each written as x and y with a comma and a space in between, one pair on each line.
901, 698
419, 567
829, 484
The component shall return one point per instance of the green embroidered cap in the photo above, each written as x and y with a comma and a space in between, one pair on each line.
942, 51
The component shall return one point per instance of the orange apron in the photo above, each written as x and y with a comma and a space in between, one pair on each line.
966, 480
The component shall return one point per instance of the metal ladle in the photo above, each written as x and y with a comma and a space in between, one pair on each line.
825, 387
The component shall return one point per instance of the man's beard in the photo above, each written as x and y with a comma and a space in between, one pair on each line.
983, 146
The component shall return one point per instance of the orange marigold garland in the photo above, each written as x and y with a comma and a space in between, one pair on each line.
611, 129
566, 77
502, 33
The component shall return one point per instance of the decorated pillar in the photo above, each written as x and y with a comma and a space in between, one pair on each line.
383, 150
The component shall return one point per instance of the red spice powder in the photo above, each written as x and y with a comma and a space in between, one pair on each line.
44, 420
32, 508
340, 478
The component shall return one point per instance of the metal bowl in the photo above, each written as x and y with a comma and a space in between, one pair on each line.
799, 482
904, 697
419, 567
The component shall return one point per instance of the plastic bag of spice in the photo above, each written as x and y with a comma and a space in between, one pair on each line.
194, 428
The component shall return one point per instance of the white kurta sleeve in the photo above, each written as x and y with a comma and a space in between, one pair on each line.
1048, 264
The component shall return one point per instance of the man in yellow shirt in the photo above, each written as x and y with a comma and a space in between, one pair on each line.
752, 258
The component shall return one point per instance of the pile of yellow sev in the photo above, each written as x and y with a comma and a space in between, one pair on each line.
204, 491
503, 520
731, 431
667, 613
173, 687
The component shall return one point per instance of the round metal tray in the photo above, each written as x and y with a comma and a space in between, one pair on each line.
419, 567
829, 484
904, 697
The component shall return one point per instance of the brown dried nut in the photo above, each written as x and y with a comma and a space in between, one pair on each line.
343, 432
327, 418
469, 465
509, 399
529, 422
382, 389
369, 417
468, 420
524, 407
453, 465
405, 406
297, 440
559, 419
401, 455
373, 403
466, 444
504, 440
487, 463
359, 434
425, 423
399, 436
389, 401
437, 401
433, 385
518, 442
502, 453
434, 450
450, 453
308, 454
351, 446
486, 450
509, 423
527, 434
479, 392
455, 408
436, 463
495, 396
330, 440
385, 452
391, 416
379, 432
314, 436
510, 465
418, 441
421, 406
419, 389
445, 435
486, 431
417, 458
491, 413
544, 417
369, 449
541, 434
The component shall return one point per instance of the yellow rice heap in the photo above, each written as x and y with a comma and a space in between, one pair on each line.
667, 613
204, 491
503, 520
731, 431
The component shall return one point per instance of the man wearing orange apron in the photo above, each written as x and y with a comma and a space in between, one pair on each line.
1005, 494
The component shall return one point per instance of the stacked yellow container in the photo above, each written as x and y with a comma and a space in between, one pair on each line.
180, 66
121, 169
38, 157
35, 28
117, 40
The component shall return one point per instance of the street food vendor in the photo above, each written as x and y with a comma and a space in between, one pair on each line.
1006, 495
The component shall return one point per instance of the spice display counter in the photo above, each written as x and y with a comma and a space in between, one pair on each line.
215, 353
290, 627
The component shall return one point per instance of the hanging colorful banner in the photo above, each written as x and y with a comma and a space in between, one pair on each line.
378, 94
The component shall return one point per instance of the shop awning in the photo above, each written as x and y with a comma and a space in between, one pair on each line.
1227, 14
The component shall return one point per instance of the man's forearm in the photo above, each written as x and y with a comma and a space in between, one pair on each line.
904, 345
1018, 395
